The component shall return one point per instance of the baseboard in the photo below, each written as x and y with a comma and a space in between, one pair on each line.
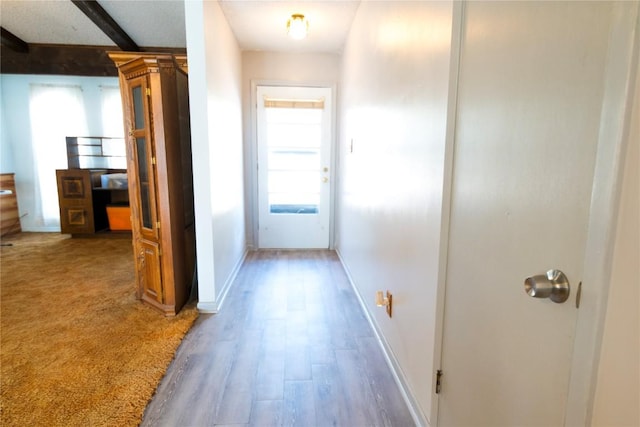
213, 307
207, 307
52, 229
398, 375
232, 278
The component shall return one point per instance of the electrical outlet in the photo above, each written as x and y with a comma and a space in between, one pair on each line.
385, 301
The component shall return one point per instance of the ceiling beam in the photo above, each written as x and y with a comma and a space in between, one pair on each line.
105, 22
13, 42
70, 60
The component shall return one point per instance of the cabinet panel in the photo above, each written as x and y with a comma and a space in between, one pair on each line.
76, 201
149, 272
139, 123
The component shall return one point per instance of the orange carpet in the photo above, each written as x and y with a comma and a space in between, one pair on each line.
77, 348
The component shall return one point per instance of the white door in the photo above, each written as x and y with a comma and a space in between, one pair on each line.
529, 100
294, 166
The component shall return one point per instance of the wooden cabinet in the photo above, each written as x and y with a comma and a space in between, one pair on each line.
95, 182
156, 115
9, 216
84, 200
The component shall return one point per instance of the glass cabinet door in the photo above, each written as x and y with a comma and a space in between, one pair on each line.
143, 155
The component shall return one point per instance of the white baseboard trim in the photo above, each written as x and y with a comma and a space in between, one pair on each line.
52, 229
213, 307
207, 307
398, 375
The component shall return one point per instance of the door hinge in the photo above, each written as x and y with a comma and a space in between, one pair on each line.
438, 381
158, 225
153, 160
148, 91
579, 295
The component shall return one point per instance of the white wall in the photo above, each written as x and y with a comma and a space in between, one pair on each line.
17, 155
617, 400
278, 69
216, 131
395, 80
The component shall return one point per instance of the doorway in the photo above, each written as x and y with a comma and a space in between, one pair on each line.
294, 166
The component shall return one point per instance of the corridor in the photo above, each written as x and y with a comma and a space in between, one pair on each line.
290, 346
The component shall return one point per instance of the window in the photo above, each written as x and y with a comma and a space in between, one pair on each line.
112, 124
294, 140
56, 111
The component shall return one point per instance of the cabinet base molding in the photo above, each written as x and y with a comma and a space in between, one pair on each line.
168, 310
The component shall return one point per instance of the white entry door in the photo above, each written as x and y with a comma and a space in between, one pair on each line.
529, 100
294, 166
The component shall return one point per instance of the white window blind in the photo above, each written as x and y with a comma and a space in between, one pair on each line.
294, 103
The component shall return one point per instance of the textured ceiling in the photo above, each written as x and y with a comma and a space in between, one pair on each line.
257, 24
54, 22
261, 25
150, 23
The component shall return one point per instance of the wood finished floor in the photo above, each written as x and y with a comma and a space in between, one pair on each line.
290, 347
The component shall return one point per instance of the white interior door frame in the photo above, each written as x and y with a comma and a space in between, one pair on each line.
615, 117
252, 154
452, 113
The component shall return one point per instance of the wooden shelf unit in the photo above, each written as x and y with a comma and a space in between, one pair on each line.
96, 152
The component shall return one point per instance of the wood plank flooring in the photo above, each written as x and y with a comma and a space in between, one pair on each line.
290, 347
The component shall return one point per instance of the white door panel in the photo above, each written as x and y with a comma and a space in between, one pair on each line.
529, 99
294, 166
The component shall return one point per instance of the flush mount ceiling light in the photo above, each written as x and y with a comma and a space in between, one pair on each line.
297, 26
